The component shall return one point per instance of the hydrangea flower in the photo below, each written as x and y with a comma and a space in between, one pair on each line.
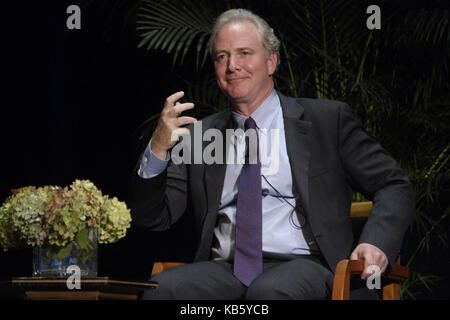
55, 216
25, 209
115, 220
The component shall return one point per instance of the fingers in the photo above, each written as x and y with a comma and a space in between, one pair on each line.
354, 256
182, 121
173, 108
171, 125
170, 101
180, 107
367, 265
372, 257
359, 254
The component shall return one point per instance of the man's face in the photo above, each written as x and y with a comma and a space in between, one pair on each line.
242, 69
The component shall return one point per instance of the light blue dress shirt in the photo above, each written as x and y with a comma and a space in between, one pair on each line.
281, 229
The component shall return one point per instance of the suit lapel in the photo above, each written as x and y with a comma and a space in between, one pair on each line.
215, 173
298, 143
214, 177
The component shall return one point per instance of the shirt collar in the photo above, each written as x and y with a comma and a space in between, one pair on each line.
263, 115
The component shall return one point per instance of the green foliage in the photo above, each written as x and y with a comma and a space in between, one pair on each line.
84, 246
82, 238
62, 252
173, 27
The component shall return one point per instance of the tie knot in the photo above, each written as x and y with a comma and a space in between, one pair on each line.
250, 123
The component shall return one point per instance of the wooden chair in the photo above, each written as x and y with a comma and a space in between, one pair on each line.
346, 268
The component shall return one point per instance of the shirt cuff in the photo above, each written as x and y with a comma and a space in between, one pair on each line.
151, 165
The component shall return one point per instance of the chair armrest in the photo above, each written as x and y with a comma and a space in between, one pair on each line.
400, 274
341, 284
163, 266
345, 268
360, 210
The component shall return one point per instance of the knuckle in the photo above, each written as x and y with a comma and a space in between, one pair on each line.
164, 121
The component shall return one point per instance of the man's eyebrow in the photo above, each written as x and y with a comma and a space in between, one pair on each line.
237, 49
244, 48
219, 51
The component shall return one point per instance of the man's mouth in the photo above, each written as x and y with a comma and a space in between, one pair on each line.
234, 79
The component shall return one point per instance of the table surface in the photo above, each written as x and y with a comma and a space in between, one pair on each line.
39, 288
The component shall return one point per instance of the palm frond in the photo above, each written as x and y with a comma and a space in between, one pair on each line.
413, 286
173, 26
427, 26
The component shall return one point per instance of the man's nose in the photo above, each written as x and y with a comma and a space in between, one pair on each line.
233, 64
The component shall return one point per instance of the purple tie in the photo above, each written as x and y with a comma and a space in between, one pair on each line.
248, 247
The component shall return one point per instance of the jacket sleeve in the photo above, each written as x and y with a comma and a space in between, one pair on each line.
158, 202
374, 173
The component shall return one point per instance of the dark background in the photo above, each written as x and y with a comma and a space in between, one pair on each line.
71, 102
70, 105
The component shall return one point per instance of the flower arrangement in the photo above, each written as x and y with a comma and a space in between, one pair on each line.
53, 216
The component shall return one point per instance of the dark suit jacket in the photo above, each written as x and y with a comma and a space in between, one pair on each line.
330, 155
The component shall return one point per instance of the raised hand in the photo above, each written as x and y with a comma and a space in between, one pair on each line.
170, 125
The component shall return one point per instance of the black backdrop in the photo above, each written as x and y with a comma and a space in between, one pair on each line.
70, 104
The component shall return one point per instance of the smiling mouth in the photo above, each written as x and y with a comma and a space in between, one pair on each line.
235, 79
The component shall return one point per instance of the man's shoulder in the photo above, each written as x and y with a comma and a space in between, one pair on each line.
314, 108
317, 103
314, 103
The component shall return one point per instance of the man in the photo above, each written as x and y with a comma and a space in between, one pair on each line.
278, 236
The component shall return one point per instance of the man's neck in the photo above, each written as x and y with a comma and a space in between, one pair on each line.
246, 108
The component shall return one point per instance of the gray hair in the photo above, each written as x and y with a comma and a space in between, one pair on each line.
266, 34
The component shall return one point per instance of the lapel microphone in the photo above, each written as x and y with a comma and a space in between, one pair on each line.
279, 196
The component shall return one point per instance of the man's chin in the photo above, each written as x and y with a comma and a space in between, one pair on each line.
236, 97
237, 101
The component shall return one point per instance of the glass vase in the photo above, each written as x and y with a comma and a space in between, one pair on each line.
52, 261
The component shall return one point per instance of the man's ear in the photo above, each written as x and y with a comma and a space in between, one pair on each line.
272, 63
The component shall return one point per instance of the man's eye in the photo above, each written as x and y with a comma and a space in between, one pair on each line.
221, 57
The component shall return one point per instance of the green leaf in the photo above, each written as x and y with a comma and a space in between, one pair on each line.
63, 252
85, 256
82, 238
